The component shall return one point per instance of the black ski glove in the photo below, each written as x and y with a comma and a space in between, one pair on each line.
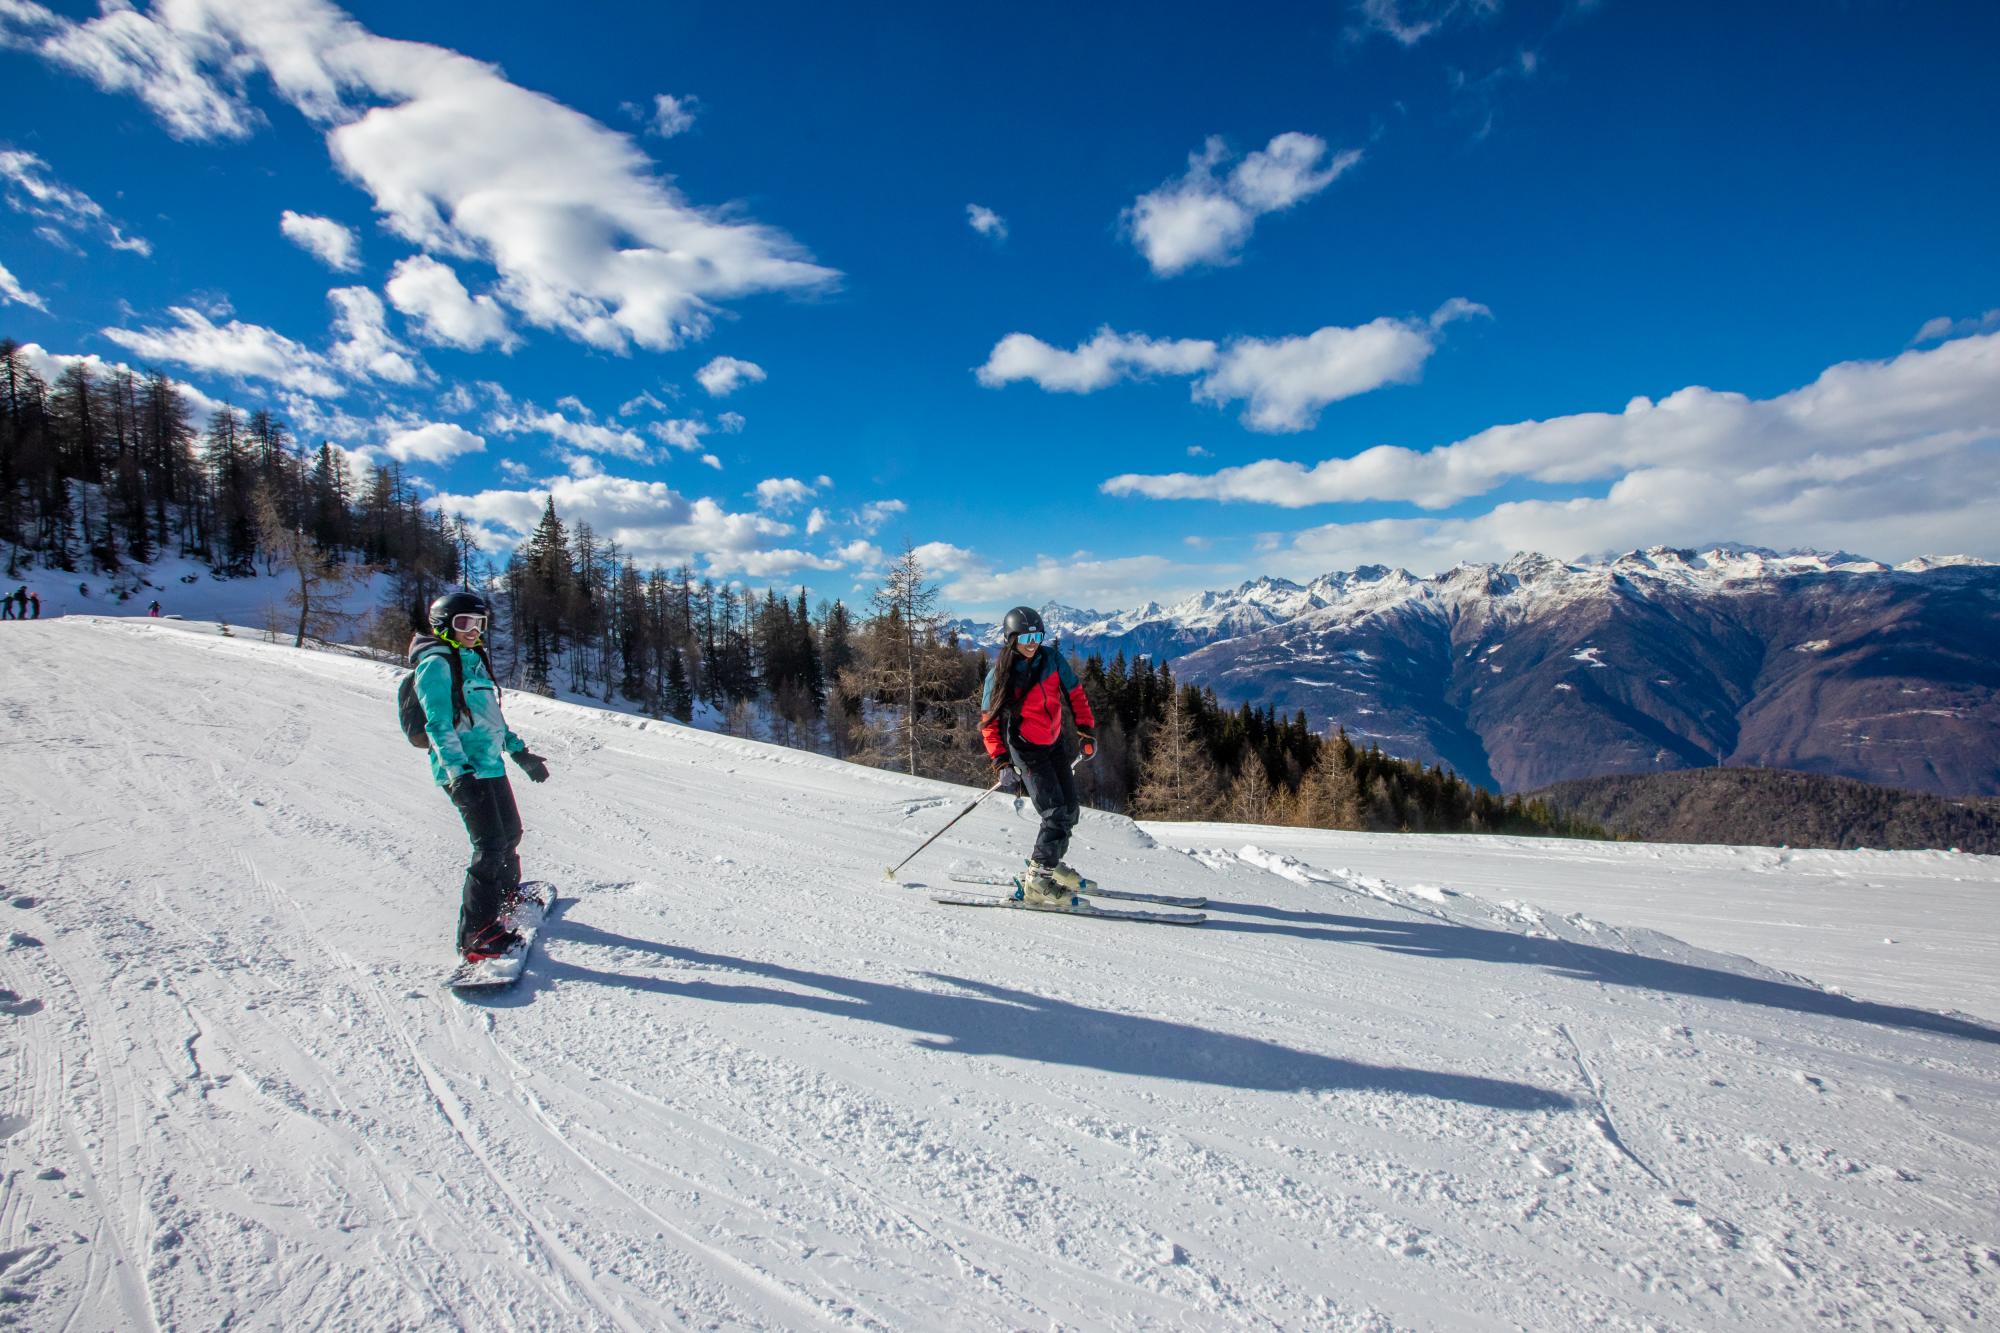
458, 781
1009, 780
1088, 735
536, 767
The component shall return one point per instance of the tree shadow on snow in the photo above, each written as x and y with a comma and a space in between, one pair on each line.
1587, 962
978, 1018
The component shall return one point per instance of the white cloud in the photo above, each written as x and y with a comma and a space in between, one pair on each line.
781, 494
1284, 381
643, 401
650, 520
1104, 360
1944, 326
587, 435
1411, 21
447, 315
239, 350
332, 244
732, 423
816, 522
1075, 579
434, 442
363, 344
670, 115
11, 291
31, 190
943, 557
1201, 218
50, 365
986, 222
1197, 451
871, 516
585, 236
725, 374
710, 460
683, 433
1872, 456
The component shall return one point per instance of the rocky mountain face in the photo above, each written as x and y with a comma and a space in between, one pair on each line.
1536, 671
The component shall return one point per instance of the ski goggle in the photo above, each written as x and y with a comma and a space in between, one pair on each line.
1030, 639
470, 623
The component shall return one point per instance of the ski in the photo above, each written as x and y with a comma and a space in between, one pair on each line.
530, 910
1103, 913
1092, 889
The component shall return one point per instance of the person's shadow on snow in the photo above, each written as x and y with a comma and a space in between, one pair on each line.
1585, 962
976, 1018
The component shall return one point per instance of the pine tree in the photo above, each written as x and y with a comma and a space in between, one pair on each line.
1178, 781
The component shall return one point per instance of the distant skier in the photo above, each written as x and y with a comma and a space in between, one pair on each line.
468, 736
154, 609
1021, 721
7, 604
35, 601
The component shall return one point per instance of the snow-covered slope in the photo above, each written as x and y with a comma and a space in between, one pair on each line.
750, 1084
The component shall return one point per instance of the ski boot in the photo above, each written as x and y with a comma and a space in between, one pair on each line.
1037, 887
1062, 873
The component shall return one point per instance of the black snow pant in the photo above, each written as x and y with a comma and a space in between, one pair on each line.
1051, 785
493, 822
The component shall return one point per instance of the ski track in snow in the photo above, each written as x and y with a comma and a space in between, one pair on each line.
749, 1084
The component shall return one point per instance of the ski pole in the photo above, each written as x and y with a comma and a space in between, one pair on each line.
890, 873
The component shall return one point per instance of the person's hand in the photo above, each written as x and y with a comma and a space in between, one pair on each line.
458, 781
1088, 735
536, 767
1008, 780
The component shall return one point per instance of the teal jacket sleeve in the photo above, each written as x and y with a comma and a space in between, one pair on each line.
434, 693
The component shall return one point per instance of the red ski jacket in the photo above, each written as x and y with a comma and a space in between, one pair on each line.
1035, 690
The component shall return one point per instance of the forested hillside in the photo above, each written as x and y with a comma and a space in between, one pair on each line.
1775, 808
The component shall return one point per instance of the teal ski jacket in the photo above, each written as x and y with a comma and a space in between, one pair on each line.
476, 744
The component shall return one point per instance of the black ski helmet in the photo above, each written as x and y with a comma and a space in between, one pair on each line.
456, 604
1022, 620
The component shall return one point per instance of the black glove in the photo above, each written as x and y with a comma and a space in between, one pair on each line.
1088, 735
1009, 781
458, 781
536, 767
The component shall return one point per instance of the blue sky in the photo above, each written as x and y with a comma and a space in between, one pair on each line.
1390, 281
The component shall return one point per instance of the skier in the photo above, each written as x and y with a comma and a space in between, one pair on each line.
35, 600
468, 736
1021, 722
7, 606
154, 609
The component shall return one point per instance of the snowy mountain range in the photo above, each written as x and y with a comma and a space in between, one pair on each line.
1539, 670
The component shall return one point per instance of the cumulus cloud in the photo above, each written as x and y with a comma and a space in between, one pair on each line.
1284, 382
1872, 456
726, 374
433, 442
31, 190
986, 222
1104, 360
871, 516
586, 237
1203, 218
332, 244
12, 292
816, 522
1075, 579
683, 433
650, 520
238, 350
784, 493
444, 312
363, 344
50, 366
583, 433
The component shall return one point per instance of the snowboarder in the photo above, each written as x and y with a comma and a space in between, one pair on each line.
468, 735
1021, 721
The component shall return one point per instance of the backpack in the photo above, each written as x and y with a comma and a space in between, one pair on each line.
410, 709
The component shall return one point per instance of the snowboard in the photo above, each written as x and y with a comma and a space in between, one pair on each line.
532, 908
1087, 909
1092, 889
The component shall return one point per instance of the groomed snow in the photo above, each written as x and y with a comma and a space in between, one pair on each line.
750, 1084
